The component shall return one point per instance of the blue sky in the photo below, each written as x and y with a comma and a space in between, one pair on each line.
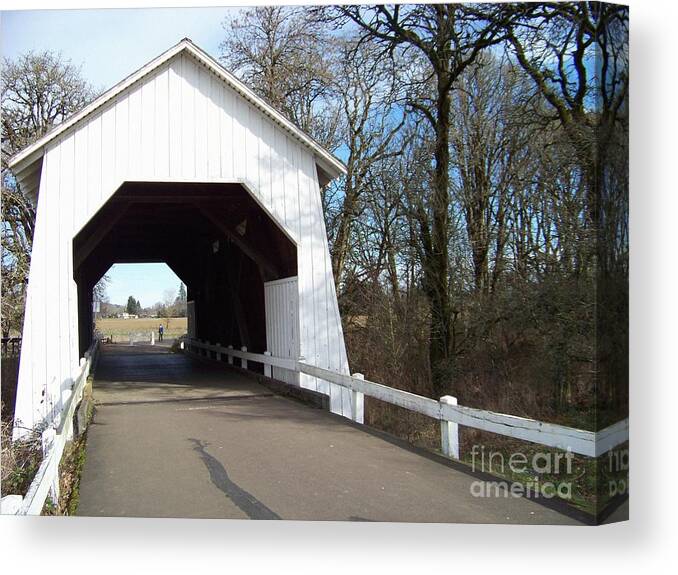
146, 282
109, 45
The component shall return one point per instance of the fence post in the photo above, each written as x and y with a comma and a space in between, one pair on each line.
357, 402
152, 337
87, 368
243, 361
449, 431
230, 357
54, 488
207, 351
218, 352
267, 366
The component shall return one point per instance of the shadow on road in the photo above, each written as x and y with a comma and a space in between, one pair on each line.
246, 502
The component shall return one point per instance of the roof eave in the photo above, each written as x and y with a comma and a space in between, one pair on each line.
328, 162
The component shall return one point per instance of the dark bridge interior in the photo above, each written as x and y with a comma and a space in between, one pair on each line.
215, 237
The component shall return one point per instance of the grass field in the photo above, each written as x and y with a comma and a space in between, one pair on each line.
119, 328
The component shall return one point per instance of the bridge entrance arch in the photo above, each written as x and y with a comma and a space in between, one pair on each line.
215, 236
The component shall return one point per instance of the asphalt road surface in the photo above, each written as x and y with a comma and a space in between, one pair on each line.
175, 436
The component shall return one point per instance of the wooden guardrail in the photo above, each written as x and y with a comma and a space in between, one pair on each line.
446, 410
46, 480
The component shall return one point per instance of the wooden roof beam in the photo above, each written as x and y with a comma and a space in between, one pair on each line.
81, 253
255, 255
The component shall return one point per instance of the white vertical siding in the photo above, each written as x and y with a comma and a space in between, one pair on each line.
266, 162
202, 93
135, 127
182, 122
174, 118
148, 128
282, 324
161, 124
214, 127
93, 162
240, 119
252, 140
63, 288
226, 99
121, 140
108, 138
80, 212
189, 76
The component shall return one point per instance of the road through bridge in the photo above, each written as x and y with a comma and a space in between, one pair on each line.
180, 436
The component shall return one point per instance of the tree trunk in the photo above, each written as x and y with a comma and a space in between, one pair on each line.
436, 270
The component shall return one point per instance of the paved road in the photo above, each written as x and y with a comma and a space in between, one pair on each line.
178, 437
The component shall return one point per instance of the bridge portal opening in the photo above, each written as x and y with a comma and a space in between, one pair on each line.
132, 300
216, 237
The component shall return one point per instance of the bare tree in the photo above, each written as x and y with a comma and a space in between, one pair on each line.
372, 123
571, 52
444, 39
577, 56
281, 53
100, 289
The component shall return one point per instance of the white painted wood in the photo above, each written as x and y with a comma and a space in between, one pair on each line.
252, 141
179, 121
267, 366
47, 476
357, 402
411, 401
451, 415
226, 99
93, 162
281, 362
281, 299
202, 97
612, 436
449, 431
577, 440
134, 139
213, 144
148, 102
189, 78
184, 48
161, 140
589, 443
11, 504
240, 118
243, 358
175, 112
121, 141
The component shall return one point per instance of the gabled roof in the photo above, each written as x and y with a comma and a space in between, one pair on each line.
325, 160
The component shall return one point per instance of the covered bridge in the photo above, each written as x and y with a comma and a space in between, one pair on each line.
181, 163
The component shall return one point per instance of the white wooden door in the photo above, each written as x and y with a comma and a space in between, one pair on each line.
282, 324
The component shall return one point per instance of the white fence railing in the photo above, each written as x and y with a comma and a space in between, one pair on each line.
446, 410
46, 480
